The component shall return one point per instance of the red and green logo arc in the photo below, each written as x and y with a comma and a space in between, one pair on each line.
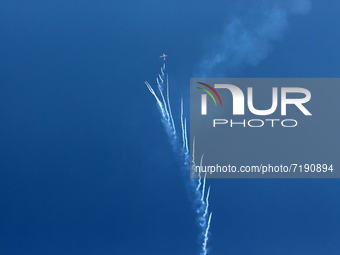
209, 93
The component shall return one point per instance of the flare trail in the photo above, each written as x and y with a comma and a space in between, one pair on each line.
200, 200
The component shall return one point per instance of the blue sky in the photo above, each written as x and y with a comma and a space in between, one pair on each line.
86, 167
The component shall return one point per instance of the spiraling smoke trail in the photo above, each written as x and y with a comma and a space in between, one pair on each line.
201, 201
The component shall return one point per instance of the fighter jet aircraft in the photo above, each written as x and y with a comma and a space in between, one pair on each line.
163, 56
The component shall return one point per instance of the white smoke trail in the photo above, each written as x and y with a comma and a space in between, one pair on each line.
169, 105
182, 126
248, 39
245, 41
203, 207
206, 204
201, 201
203, 189
161, 107
186, 137
205, 242
199, 173
164, 103
160, 77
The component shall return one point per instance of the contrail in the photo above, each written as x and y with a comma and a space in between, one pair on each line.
201, 201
